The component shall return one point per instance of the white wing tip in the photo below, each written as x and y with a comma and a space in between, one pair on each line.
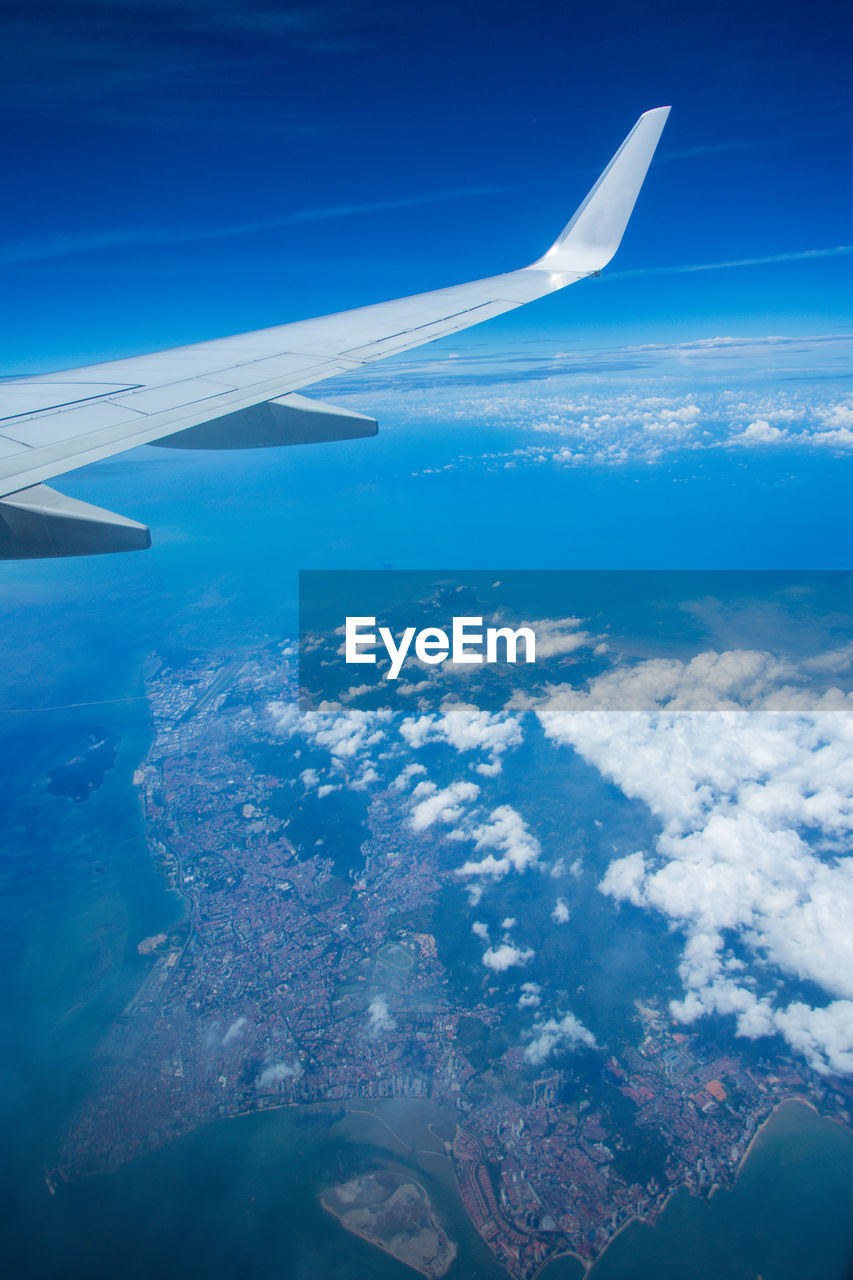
595, 232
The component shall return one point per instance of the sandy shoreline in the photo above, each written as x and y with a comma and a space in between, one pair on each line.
376, 1244
794, 1097
399, 1255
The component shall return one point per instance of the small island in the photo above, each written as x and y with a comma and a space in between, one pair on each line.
393, 1212
78, 778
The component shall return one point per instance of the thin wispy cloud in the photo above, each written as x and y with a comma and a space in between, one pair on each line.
39, 249
715, 148
796, 255
56, 53
783, 138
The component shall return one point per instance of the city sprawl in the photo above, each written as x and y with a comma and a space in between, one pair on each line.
292, 979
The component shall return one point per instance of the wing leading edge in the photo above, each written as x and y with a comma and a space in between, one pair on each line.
243, 386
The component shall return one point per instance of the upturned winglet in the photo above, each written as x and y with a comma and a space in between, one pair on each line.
595, 232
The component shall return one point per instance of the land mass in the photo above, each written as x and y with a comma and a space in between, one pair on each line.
79, 777
394, 1213
315, 963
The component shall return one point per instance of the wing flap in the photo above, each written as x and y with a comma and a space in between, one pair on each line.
23, 396
54, 428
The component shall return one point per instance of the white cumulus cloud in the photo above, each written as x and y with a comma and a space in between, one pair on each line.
751, 777
531, 995
379, 1019
560, 914
446, 805
554, 1034
343, 731
505, 832
466, 728
506, 956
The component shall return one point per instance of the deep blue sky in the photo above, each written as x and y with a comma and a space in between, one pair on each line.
377, 151
142, 128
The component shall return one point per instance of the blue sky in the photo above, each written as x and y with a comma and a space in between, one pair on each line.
180, 170
186, 170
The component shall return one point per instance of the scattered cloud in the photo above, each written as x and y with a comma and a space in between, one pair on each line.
404, 778
556, 1034
556, 637
234, 1032
561, 913
506, 956
566, 410
750, 774
759, 432
379, 1019
531, 995
507, 843
345, 732
466, 728
277, 1074
446, 805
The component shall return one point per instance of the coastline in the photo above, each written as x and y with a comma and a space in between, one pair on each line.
777, 1106
635, 1217
589, 1267
566, 1253
453, 1247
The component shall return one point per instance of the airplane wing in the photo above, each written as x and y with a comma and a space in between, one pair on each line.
240, 392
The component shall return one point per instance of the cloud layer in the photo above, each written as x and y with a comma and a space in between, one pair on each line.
751, 778
634, 404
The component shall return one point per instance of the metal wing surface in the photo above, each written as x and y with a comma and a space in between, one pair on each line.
239, 392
